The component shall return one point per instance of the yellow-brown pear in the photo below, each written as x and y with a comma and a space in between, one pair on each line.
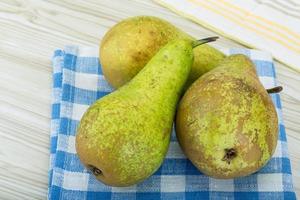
128, 46
226, 122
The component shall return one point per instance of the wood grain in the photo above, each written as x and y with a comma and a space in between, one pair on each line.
29, 32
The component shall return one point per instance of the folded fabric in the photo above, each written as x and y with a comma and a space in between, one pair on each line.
78, 82
271, 26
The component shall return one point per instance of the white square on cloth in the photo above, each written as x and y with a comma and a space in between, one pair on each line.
221, 185
264, 180
173, 183
75, 181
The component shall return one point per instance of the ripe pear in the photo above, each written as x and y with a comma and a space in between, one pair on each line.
123, 137
226, 122
128, 46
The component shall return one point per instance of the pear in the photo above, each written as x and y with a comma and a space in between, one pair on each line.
226, 122
123, 137
128, 46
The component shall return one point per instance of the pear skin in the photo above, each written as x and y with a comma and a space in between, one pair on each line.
128, 46
123, 137
226, 122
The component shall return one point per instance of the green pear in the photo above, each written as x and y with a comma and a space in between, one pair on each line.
123, 137
128, 46
226, 122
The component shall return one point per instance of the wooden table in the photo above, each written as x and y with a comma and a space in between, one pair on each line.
29, 32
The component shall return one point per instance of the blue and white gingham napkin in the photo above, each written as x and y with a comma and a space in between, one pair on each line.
78, 82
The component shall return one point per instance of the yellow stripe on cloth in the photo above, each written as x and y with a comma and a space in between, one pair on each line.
240, 21
250, 22
273, 26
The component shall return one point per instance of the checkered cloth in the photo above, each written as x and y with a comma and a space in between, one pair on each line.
78, 82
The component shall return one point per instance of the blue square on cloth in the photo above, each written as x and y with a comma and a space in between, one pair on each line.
78, 82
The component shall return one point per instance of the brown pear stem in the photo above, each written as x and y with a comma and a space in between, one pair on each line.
203, 41
276, 89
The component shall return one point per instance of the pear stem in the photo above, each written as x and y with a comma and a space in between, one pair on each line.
203, 41
276, 89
